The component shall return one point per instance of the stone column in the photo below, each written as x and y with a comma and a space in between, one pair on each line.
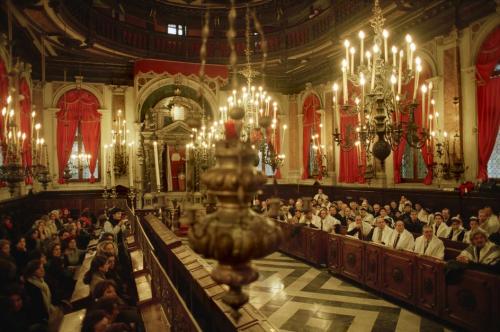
469, 119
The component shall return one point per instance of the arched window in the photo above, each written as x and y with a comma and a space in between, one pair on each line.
78, 135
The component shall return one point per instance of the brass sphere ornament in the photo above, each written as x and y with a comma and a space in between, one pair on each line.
265, 122
234, 234
236, 113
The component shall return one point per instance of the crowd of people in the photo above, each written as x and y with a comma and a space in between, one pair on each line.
399, 225
38, 269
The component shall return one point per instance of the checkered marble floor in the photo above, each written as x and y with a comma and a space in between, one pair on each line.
298, 297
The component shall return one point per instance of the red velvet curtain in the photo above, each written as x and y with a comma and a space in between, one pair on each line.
177, 166
25, 104
488, 100
311, 121
425, 74
4, 91
348, 164
77, 106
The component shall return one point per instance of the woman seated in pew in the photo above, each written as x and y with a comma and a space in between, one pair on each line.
73, 256
59, 277
359, 229
115, 224
41, 309
382, 232
457, 232
401, 239
116, 312
107, 247
428, 244
97, 272
481, 251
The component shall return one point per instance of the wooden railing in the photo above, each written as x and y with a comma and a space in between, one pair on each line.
469, 299
135, 39
190, 274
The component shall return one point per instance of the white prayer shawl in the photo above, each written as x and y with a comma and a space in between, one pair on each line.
386, 234
442, 231
365, 228
489, 254
322, 196
406, 240
467, 235
369, 218
423, 216
456, 233
434, 249
314, 220
491, 225
328, 223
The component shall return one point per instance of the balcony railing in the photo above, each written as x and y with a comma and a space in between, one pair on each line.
141, 42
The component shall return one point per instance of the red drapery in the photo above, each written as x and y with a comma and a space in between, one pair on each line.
427, 154
175, 67
311, 122
177, 166
488, 100
78, 106
25, 104
4, 90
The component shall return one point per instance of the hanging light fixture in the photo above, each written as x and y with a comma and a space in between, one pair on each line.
372, 89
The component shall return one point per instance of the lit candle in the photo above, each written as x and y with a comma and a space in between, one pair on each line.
346, 45
358, 150
415, 86
412, 50
362, 82
408, 42
335, 90
283, 134
394, 50
353, 51
105, 167
400, 71
393, 82
362, 46
385, 34
376, 50
429, 97
157, 166
131, 165
368, 57
112, 164
424, 91
344, 81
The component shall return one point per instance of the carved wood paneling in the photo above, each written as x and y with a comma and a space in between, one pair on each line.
352, 256
429, 281
333, 253
398, 274
372, 266
469, 300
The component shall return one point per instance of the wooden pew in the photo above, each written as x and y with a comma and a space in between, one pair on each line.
72, 321
81, 293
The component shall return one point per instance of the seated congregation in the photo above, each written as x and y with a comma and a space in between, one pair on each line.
41, 269
399, 225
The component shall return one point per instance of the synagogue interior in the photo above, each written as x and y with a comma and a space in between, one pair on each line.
253, 166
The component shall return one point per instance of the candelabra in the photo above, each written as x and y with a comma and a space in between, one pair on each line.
120, 154
376, 97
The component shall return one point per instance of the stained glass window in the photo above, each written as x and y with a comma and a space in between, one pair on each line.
494, 162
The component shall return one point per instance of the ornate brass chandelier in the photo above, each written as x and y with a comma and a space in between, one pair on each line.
372, 89
233, 234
